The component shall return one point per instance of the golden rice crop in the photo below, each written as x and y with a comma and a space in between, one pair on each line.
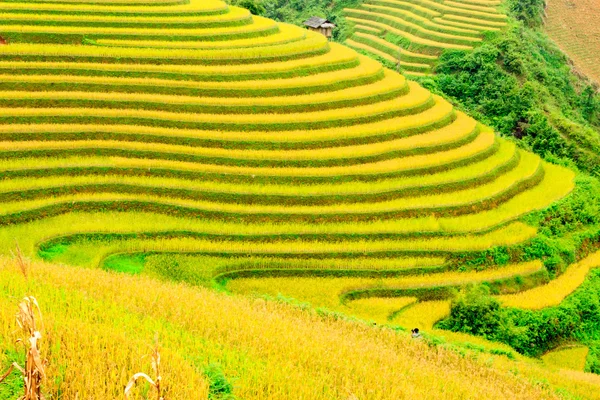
555, 291
468, 341
510, 235
93, 222
337, 54
312, 43
449, 10
505, 183
309, 356
427, 25
378, 309
369, 29
481, 144
478, 28
423, 315
420, 29
438, 114
474, 21
192, 6
568, 357
257, 26
482, 169
415, 8
452, 199
463, 6
366, 70
374, 110
363, 46
359, 15
391, 83
326, 292
287, 34
551, 189
456, 132
233, 14
407, 58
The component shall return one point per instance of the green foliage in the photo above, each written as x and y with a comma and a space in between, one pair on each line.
220, 388
12, 386
475, 312
127, 263
520, 83
298, 11
532, 332
530, 12
593, 359
195, 270
256, 7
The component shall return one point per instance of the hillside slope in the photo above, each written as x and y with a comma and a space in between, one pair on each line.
230, 135
196, 142
98, 327
575, 26
414, 34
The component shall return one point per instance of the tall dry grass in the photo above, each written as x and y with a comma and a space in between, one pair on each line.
96, 322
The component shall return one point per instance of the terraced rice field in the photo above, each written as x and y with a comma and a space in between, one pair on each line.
286, 163
574, 25
413, 34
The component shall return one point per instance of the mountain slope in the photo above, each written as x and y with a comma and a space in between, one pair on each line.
98, 325
575, 26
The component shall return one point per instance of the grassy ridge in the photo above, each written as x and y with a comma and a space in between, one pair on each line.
199, 326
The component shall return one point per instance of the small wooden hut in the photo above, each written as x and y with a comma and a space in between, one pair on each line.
320, 25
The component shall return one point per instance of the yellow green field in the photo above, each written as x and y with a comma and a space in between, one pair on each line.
190, 141
411, 35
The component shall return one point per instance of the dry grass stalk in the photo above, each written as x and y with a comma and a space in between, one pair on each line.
7, 373
156, 383
34, 372
22, 261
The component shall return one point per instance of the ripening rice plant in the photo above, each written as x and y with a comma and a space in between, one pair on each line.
337, 58
554, 292
327, 292
309, 356
378, 309
568, 357
423, 315
29, 318
156, 383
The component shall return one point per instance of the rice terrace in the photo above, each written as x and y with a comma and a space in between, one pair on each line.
202, 199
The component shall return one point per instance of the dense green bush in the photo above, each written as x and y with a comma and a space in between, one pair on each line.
532, 332
531, 12
521, 84
298, 11
475, 312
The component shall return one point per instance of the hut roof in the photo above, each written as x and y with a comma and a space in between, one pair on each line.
316, 22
